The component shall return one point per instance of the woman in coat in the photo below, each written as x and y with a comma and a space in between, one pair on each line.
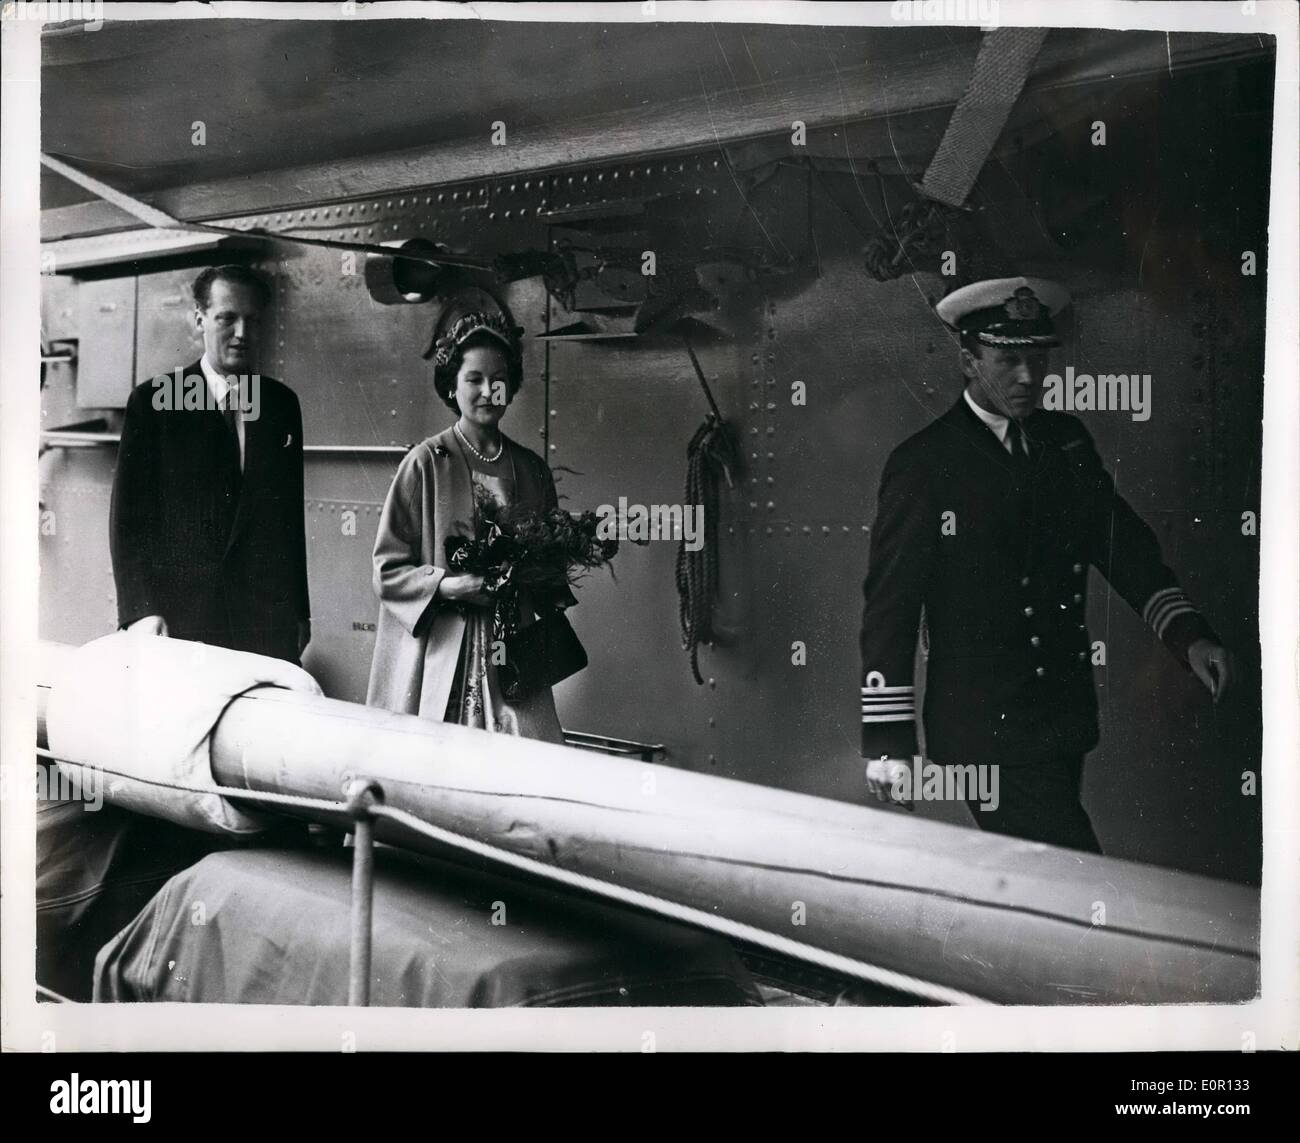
433, 650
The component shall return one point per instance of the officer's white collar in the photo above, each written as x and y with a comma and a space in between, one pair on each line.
994, 421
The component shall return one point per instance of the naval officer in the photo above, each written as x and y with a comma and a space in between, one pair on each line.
988, 523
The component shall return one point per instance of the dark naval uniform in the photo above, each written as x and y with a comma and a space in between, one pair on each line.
995, 549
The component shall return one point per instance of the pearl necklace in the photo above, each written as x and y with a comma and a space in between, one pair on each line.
485, 459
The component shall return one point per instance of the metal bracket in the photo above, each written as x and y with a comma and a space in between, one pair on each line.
360, 795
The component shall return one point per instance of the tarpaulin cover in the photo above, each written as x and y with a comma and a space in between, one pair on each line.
271, 927
94, 872
143, 708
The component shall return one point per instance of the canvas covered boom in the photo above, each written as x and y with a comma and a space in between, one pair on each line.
970, 913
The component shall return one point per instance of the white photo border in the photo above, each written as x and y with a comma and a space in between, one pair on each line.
1268, 1022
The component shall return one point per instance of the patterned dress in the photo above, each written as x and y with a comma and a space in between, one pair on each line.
476, 696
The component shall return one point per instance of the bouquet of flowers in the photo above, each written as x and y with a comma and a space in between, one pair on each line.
519, 549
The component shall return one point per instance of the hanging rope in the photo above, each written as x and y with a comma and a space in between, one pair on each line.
712, 451
917, 232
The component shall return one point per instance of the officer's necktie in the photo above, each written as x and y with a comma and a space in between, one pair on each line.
1016, 439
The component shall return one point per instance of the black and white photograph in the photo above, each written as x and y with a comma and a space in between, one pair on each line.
674, 508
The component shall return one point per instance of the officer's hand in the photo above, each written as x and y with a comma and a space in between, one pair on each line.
149, 625
1211, 664
887, 778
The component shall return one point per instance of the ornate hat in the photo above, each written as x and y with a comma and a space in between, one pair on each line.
468, 324
1006, 311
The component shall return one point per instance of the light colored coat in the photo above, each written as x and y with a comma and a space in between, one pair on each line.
418, 638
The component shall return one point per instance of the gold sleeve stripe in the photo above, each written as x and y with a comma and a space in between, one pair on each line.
1160, 598
1164, 606
1169, 614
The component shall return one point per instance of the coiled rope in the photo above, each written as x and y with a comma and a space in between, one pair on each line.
712, 451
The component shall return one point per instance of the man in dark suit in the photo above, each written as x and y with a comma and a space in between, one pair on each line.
988, 522
206, 523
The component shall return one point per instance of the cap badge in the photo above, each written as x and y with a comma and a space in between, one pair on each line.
1023, 305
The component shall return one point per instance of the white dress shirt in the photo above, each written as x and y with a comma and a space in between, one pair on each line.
995, 421
219, 386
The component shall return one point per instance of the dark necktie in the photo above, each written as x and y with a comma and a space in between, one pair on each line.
230, 415
1016, 439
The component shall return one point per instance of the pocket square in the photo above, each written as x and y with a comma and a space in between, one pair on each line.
288, 440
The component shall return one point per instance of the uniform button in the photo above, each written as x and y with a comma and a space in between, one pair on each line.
1035, 641
1024, 582
1029, 612
1082, 627
1040, 672
1078, 568
1082, 655
1078, 598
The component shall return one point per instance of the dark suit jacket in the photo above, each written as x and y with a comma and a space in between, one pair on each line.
220, 556
998, 558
